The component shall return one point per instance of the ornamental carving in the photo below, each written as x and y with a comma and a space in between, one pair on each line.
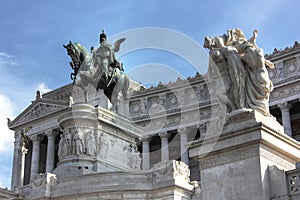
283, 92
135, 107
77, 141
171, 169
291, 67
40, 110
228, 157
294, 183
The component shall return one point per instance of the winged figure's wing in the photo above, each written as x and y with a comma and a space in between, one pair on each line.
118, 43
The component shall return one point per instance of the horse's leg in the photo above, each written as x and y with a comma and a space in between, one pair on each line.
85, 94
125, 86
114, 99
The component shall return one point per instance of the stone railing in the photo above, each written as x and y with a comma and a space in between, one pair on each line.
293, 178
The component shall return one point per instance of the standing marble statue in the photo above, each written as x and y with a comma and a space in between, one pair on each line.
243, 69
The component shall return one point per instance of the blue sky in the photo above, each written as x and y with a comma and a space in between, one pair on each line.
32, 33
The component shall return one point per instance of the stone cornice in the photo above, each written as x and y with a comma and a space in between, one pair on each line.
278, 54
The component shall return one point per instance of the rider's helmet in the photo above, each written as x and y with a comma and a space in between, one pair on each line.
102, 36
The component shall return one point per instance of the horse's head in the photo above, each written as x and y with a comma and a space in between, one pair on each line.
73, 52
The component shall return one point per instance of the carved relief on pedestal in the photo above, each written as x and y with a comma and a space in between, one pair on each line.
103, 145
134, 159
77, 141
90, 142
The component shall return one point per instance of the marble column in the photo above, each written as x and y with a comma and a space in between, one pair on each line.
16, 161
286, 119
164, 136
183, 141
146, 153
23, 152
50, 150
36, 140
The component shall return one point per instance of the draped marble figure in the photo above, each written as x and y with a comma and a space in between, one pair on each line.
243, 69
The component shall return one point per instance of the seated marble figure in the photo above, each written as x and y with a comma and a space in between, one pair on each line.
243, 70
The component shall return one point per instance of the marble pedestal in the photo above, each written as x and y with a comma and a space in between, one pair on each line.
168, 180
235, 164
96, 140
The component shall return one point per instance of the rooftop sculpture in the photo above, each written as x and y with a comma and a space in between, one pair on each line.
100, 68
243, 70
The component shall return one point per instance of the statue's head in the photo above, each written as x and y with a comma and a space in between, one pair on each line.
102, 37
208, 42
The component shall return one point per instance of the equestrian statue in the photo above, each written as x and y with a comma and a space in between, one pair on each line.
100, 68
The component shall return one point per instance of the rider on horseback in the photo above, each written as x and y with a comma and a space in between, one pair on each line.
105, 58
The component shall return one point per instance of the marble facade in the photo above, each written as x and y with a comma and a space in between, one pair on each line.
167, 117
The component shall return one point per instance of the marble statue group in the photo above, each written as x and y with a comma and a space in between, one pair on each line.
243, 71
100, 68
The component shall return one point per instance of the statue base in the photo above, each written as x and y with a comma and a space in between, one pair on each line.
235, 164
96, 140
166, 180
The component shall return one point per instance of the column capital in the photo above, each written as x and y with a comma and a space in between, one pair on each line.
147, 138
164, 135
51, 133
183, 131
285, 106
36, 138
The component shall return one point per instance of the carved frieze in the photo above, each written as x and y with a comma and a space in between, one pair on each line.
228, 157
39, 110
276, 159
283, 92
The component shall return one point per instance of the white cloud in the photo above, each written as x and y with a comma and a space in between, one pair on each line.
43, 88
7, 136
7, 60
